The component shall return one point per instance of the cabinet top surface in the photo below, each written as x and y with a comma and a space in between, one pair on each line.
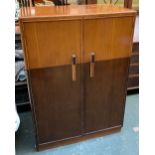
73, 11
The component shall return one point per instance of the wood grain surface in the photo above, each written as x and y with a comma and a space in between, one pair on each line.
52, 43
104, 94
73, 11
108, 38
56, 102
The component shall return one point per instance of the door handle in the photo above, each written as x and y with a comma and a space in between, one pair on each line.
73, 67
92, 64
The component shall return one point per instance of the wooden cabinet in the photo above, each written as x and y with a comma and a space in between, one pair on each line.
77, 60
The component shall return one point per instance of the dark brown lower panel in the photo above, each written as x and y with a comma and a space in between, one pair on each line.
64, 109
56, 103
78, 139
105, 94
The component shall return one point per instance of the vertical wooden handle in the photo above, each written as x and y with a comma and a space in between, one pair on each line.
92, 64
73, 67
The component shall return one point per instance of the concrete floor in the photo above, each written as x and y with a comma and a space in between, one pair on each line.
122, 143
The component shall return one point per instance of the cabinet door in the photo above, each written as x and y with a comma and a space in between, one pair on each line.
56, 96
109, 40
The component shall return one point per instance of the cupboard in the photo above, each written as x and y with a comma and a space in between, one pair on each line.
77, 60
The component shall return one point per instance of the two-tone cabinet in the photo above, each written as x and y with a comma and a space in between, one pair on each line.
77, 60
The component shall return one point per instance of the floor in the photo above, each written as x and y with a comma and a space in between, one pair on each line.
122, 143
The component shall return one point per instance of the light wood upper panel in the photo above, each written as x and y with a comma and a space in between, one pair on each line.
108, 38
44, 12
52, 43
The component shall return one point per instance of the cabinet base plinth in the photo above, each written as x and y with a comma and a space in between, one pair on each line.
72, 140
